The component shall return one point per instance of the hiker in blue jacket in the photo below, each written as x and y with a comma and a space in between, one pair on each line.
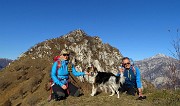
132, 78
62, 87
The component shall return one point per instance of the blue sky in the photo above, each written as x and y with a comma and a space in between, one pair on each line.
138, 28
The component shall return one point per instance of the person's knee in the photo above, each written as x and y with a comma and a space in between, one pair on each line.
61, 94
131, 91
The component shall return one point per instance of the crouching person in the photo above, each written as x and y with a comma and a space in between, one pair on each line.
132, 76
60, 72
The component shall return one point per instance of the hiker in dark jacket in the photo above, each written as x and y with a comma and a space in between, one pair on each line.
62, 87
132, 78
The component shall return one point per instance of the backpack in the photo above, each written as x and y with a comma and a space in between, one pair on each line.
133, 66
134, 69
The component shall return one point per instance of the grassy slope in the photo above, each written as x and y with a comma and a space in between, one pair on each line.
154, 98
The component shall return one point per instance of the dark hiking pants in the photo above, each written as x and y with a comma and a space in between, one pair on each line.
128, 90
60, 93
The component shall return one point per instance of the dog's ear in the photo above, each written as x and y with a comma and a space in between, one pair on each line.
95, 69
88, 69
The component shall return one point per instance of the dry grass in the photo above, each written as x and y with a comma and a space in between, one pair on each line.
158, 98
102, 99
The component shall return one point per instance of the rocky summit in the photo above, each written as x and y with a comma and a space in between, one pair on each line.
23, 82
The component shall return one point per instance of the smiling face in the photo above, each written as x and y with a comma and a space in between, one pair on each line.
65, 56
126, 63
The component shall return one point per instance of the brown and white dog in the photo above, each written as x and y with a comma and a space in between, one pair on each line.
104, 80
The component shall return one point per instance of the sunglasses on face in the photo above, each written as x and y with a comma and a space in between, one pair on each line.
65, 54
126, 64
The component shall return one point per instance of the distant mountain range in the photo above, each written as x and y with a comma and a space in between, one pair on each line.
157, 70
4, 62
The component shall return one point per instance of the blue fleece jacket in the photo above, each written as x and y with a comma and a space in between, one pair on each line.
63, 75
132, 79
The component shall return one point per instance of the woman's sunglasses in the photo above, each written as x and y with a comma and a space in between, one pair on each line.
65, 54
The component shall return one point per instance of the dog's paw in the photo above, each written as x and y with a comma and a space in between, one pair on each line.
92, 94
111, 95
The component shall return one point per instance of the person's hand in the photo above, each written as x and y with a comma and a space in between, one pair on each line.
64, 87
86, 73
140, 95
121, 70
140, 92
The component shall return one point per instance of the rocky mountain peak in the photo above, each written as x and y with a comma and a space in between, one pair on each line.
25, 77
160, 55
156, 70
84, 48
75, 34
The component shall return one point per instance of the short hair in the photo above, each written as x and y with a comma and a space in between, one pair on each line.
124, 58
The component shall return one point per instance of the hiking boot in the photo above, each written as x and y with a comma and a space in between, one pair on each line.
59, 96
141, 98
